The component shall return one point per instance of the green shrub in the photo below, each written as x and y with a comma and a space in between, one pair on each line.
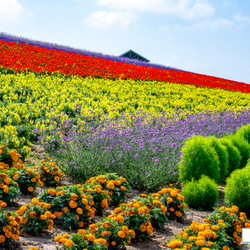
201, 194
243, 146
222, 153
234, 157
198, 157
244, 132
237, 190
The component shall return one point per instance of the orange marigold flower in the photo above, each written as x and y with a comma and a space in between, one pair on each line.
121, 234
72, 204
82, 232
32, 215
79, 210
35, 201
69, 243
215, 227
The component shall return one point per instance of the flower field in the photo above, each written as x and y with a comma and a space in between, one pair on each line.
110, 126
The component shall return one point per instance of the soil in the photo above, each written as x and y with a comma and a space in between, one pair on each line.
157, 241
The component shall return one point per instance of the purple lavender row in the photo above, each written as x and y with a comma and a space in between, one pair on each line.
11, 38
152, 149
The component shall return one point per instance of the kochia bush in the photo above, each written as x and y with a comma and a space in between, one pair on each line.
201, 194
243, 146
237, 189
198, 158
244, 132
223, 157
234, 157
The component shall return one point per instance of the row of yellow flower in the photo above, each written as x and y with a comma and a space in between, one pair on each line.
27, 97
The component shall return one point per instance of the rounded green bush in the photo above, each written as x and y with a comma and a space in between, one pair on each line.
222, 153
243, 146
244, 132
198, 157
201, 194
234, 157
237, 190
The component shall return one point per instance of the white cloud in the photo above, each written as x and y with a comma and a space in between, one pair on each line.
217, 23
11, 11
106, 19
184, 8
242, 18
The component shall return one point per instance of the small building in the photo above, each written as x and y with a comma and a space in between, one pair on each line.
133, 55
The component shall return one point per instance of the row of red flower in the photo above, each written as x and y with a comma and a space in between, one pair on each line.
20, 57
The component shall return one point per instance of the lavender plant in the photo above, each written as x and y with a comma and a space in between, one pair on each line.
146, 151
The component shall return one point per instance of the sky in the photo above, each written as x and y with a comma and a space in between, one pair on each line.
210, 37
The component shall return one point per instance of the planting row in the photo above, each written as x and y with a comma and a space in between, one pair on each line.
25, 57
146, 151
11, 38
73, 206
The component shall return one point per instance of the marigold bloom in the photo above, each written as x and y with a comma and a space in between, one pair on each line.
69, 243
121, 234
101, 241
32, 215
35, 201
72, 204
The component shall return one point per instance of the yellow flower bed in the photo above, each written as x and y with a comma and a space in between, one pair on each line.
26, 97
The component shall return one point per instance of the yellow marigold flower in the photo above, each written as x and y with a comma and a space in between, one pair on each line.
215, 227
35, 201
110, 185
33, 248
210, 243
123, 188
101, 241
84, 201
51, 191
58, 238
225, 248
91, 237
200, 242
66, 236
192, 238
174, 243
234, 209
113, 243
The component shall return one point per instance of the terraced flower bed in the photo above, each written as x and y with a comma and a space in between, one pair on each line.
126, 140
